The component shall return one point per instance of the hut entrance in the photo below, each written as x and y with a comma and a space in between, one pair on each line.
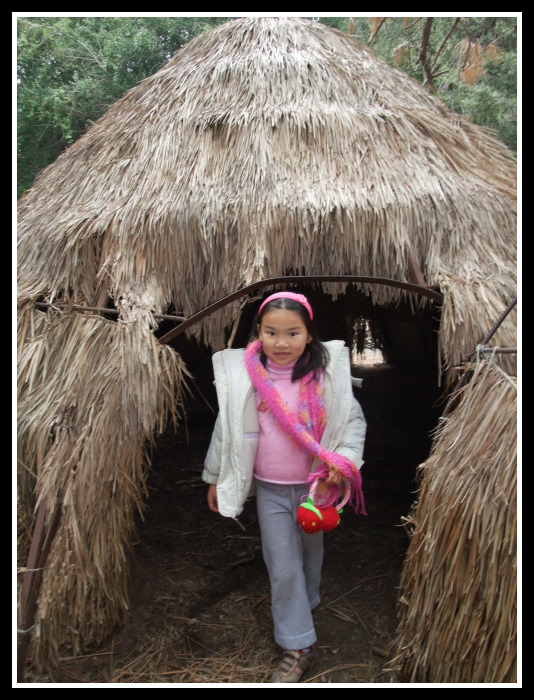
200, 609
201, 589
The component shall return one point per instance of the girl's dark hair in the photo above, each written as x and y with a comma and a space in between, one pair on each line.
315, 357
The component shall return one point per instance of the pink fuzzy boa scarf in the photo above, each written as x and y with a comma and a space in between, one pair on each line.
312, 418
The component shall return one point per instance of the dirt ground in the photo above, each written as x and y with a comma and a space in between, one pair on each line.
200, 611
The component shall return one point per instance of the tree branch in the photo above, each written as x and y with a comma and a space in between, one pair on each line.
429, 80
456, 23
374, 32
412, 24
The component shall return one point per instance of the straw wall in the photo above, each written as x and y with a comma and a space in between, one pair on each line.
458, 605
92, 393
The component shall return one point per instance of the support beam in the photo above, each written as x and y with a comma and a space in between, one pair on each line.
422, 290
43, 534
100, 309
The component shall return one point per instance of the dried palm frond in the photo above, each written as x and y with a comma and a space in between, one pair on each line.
459, 583
91, 395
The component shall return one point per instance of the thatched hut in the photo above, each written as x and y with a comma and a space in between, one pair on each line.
264, 148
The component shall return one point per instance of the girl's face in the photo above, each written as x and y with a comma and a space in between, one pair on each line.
284, 336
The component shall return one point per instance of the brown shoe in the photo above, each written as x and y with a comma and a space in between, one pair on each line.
293, 665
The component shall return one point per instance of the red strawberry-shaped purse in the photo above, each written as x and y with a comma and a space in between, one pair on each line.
315, 518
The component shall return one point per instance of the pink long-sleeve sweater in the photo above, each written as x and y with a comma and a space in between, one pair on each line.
279, 459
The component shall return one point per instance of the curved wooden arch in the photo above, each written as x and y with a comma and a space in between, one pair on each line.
352, 279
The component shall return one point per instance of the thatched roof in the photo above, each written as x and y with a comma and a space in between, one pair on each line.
263, 146
273, 144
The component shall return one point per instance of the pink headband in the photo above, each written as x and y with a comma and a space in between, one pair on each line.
289, 295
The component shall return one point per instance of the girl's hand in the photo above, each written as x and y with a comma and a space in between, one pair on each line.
334, 477
212, 498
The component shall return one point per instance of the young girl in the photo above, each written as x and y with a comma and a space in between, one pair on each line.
287, 415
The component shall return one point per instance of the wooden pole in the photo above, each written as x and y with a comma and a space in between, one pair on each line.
43, 535
422, 290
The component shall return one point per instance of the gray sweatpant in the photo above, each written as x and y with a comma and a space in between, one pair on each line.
294, 561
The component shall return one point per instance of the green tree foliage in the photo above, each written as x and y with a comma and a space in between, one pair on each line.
71, 69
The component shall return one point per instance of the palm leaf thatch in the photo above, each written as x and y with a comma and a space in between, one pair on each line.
83, 447
269, 144
459, 582
263, 146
